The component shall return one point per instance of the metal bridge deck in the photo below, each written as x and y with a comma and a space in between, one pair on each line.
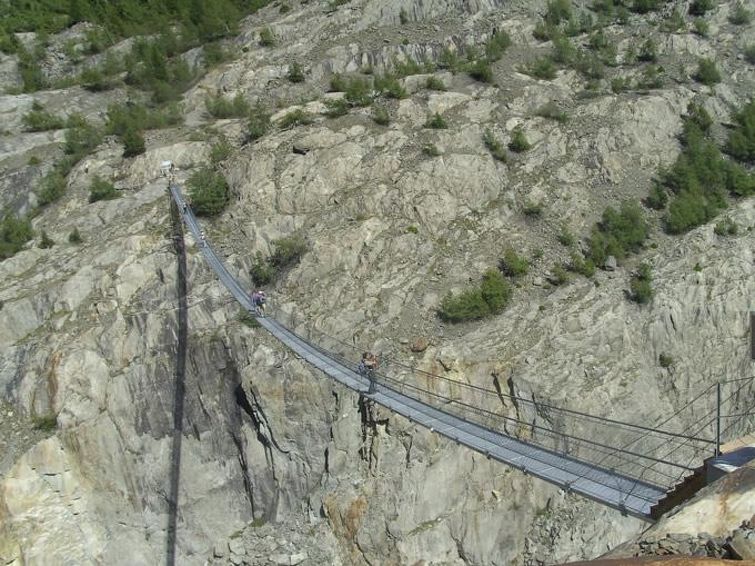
620, 492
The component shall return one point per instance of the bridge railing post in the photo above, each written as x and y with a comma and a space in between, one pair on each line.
718, 419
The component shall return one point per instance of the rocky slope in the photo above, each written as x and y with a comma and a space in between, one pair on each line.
88, 332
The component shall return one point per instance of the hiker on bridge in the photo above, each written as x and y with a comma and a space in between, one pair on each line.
367, 367
258, 300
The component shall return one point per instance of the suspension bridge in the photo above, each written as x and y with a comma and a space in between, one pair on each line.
640, 470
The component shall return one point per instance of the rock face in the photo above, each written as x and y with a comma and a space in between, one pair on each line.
316, 474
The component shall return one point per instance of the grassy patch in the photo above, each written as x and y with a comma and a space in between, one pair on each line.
489, 298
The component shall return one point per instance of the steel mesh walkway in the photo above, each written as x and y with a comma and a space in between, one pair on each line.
598, 479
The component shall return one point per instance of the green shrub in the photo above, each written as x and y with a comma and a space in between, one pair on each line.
699, 116
412, 229
652, 77
288, 251
261, 271
94, 80
648, 51
533, 209
543, 31
749, 53
390, 86
133, 143
559, 275
214, 54
380, 115
690, 208
51, 188
674, 22
220, 151
658, 198
741, 142
564, 51
513, 264
259, 122
700, 7
491, 297
81, 137
208, 191
431, 150
584, 266
741, 15
449, 59
14, 233
707, 72
618, 233
565, 237
726, 227
645, 6
39, 120
436, 122
702, 28
296, 117
45, 423
46, 242
357, 91
122, 117
551, 111
434, 83
75, 237
267, 39
541, 68
295, 73
221, 107
641, 285
665, 360
480, 70
519, 141
102, 190
620, 84
494, 146
558, 11
403, 17
497, 45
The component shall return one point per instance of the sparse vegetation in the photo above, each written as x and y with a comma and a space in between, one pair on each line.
209, 192
741, 142
489, 298
431, 150
701, 26
665, 360
287, 252
259, 123
700, 7
45, 423
14, 233
726, 227
133, 143
335, 107
380, 116
749, 53
641, 285
619, 233
541, 68
580, 264
45, 241
707, 72
389, 85
480, 70
39, 120
436, 122
267, 39
220, 151
295, 73
494, 145
565, 237
51, 188
220, 107
434, 83
298, 117
533, 209
102, 190
551, 111
512, 264
519, 141
740, 15
75, 237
